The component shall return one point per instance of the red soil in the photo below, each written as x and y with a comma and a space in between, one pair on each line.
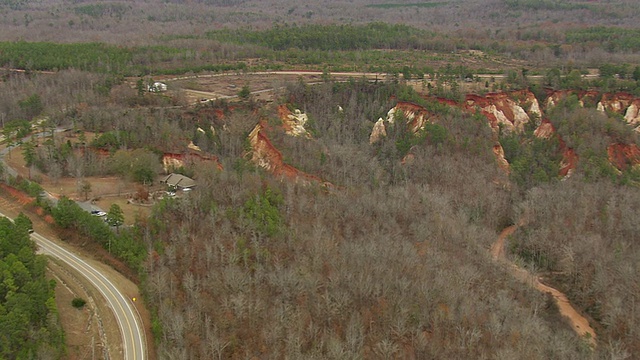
192, 157
578, 323
569, 161
623, 156
617, 102
283, 114
266, 155
421, 114
569, 156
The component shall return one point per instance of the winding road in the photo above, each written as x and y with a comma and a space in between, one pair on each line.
578, 322
131, 329
133, 338
133, 341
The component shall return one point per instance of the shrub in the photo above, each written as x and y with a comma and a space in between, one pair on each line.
78, 303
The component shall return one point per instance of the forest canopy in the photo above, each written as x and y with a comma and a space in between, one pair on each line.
29, 324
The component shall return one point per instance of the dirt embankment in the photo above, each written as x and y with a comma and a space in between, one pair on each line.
623, 156
501, 110
569, 157
511, 111
415, 115
266, 156
578, 323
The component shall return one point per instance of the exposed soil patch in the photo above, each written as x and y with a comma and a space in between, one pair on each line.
265, 155
623, 156
221, 86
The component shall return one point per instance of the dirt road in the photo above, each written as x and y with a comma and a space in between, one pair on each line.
578, 322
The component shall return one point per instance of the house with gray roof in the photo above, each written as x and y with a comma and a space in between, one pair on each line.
178, 181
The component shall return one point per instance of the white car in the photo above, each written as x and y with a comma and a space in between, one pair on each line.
98, 213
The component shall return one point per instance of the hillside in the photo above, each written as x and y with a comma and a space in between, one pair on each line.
380, 247
355, 218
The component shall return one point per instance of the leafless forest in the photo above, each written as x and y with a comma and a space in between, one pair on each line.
515, 28
341, 247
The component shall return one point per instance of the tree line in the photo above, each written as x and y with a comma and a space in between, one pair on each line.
105, 58
337, 47
329, 37
123, 244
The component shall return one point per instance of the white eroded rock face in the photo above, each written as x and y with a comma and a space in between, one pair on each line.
501, 117
296, 123
379, 130
529, 101
171, 163
194, 146
551, 103
534, 109
615, 106
498, 151
391, 115
544, 131
258, 155
409, 114
520, 117
632, 116
415, 116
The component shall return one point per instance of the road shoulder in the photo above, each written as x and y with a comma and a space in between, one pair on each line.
89, 252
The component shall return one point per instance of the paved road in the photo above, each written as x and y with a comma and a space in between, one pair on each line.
4, 151
133, 340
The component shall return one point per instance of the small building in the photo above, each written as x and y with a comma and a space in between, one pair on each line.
157, 87
178, 181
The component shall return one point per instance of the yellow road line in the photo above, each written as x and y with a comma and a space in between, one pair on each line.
81, 265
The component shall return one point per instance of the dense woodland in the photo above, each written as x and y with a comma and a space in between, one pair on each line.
387, 255
29, 324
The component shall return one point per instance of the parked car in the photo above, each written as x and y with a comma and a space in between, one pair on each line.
98, 213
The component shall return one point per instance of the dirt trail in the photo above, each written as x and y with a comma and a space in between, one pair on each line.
579, 324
